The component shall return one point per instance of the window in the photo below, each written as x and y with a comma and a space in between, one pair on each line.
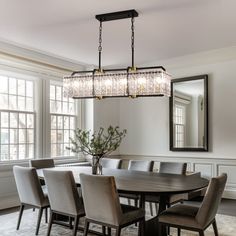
63, 120
17, 119
179, 125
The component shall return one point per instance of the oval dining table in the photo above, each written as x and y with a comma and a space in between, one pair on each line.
145, 183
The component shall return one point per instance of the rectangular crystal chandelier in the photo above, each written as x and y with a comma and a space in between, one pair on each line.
129, 82
123, 83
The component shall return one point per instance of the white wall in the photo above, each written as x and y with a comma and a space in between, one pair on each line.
147, 119
106, 112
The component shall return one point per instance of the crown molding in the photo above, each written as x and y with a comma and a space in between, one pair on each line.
21, 55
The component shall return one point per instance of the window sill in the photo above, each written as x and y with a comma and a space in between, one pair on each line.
7, 166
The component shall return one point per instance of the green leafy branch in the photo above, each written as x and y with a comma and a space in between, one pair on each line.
99, 143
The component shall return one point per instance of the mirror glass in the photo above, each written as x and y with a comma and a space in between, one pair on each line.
188, 114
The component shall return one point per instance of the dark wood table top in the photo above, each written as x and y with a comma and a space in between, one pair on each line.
143, 182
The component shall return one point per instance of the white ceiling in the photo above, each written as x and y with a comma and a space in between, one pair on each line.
164, 29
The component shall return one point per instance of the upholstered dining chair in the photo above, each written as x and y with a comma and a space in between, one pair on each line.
30, 192
194, 218
180, 168
141, 165
63, 197
42, 163
168, 168
102, 205
173, 168
111, 163
137, 165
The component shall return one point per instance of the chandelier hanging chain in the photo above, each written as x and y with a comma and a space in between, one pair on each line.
100, 46
119, 82
132, 41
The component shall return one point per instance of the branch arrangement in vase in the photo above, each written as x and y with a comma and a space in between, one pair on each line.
99, 143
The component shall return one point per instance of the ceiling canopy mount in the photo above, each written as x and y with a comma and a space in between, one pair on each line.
117, 15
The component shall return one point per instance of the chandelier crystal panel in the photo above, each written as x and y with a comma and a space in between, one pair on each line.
129, 82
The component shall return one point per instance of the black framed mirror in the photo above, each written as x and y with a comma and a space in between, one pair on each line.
189, 114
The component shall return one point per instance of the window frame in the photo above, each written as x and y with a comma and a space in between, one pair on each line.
42, 112
179, 124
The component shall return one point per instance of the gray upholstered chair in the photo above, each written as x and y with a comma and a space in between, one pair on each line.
63, 197
173, 168
102, 205
42, 163
111, 163
169, 168
141, 165
30, 192
194, 218
180, 168
137, 165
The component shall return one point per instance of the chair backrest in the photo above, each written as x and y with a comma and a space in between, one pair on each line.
211, 201
141, 165
28, 186
111, 163
101, 200
62, 191
42, 163
173, 168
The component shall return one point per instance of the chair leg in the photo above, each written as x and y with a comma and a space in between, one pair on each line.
179, 231
141, 230
39, 220
118, 231
156, 206
86, 227
70, 223
150, 207
104, 230
75, 226
22, 206
50, 223
159, 228
201, 233
109, 231
46, 215
215, 228
168, 230
136, 205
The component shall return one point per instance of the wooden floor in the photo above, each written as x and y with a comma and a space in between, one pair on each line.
227, 207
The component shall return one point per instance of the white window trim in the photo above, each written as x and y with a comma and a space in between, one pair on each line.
42, 110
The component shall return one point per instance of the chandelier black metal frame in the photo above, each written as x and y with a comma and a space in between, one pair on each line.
128, 82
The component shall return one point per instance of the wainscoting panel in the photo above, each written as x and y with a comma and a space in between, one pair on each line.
205, 169
8, 194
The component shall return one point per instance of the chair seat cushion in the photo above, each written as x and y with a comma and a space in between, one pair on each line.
131, 213
180, 215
